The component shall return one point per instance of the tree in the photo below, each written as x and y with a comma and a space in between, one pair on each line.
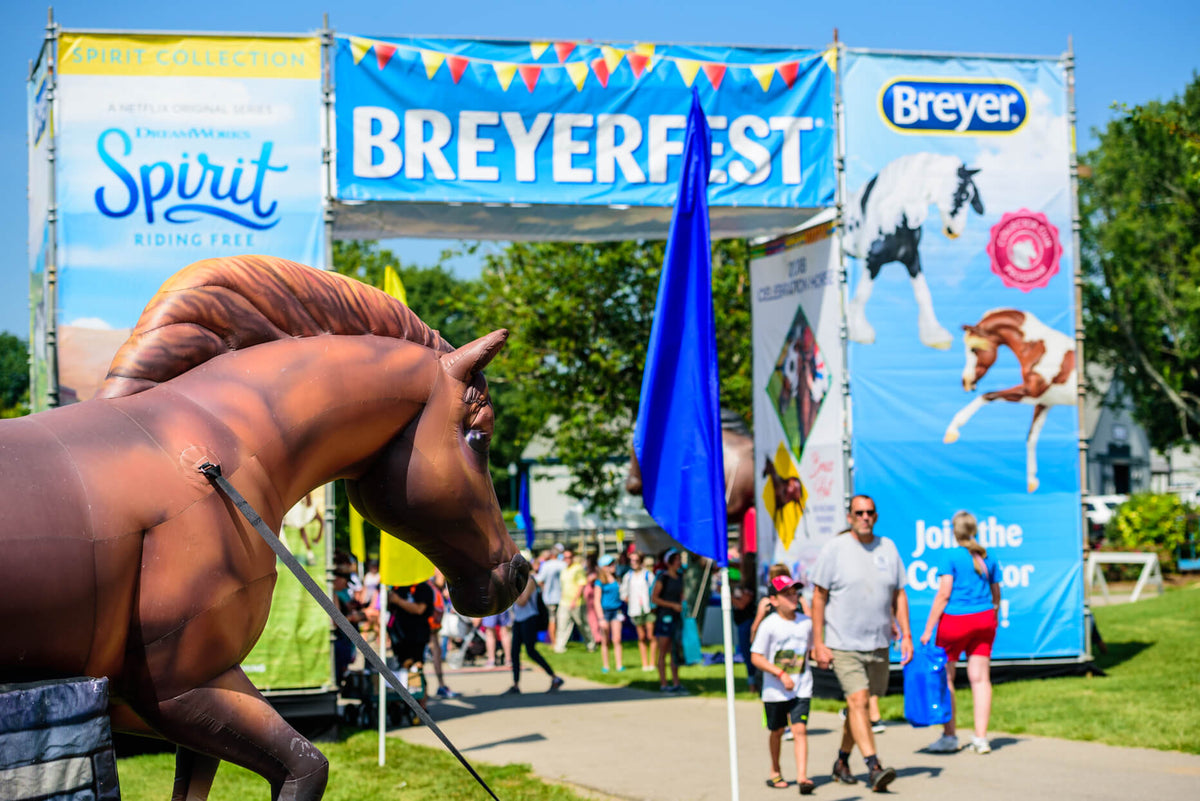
580, 316
14, 376
1141, 257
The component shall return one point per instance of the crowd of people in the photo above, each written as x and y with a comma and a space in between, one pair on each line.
858, 608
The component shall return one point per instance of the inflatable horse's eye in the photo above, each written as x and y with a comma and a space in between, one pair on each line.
478, 440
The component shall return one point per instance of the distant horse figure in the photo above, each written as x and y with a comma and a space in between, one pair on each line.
883, 224
737, 451
126, 563
786, 490
1047, 360
803, 379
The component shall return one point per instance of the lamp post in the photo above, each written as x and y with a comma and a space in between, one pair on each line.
512, 484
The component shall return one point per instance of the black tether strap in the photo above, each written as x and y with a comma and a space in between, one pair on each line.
213, 473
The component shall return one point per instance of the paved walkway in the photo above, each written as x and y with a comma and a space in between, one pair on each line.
630, 744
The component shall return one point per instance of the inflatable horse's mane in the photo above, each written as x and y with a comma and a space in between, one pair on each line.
217, 306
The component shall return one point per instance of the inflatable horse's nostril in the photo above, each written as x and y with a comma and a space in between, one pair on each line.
519, 570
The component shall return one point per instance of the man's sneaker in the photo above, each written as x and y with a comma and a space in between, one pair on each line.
787, 734
555, 683
446, 692
981, 745
880, 778
679, 689
842, 713
513, 690
878, 727
946, 744
841, 772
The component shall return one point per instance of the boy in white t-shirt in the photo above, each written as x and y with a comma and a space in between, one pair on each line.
780, 651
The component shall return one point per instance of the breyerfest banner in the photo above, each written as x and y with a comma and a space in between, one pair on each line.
39, 133
441, 120
958, 171
797, 397
173, 149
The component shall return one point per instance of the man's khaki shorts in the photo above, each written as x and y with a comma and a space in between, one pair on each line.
862, 670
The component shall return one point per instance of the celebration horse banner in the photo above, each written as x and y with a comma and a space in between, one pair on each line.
961, 322
578, 123
797, 397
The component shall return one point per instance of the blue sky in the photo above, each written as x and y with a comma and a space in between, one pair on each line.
1123, 53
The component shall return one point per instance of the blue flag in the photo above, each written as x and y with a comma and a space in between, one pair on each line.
678, 433
526, 517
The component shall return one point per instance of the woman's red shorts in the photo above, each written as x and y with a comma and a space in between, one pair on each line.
972, 633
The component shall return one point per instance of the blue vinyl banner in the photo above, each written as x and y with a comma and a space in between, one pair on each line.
458, 121
961, 322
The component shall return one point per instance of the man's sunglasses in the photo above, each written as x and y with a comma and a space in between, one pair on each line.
863, 513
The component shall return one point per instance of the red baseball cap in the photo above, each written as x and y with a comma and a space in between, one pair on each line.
781, 583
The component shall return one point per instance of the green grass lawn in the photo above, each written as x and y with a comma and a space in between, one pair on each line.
412, 772
1149, 697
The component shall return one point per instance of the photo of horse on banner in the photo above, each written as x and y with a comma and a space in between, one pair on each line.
285, 378
1047, 359
883, 224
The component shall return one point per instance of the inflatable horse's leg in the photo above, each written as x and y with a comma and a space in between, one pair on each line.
228, 718
193, 775
1035, 429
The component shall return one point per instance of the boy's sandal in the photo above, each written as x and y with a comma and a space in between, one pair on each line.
807, 786
777, 783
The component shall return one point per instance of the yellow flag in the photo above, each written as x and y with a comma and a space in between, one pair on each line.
393, 285
400, 564
358, 543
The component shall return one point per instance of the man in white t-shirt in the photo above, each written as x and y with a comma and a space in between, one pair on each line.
780, 651
858, 591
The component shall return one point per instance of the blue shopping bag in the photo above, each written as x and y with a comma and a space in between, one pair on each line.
689, 638
927, 698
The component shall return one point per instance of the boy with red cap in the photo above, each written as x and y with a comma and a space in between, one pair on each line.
780, 650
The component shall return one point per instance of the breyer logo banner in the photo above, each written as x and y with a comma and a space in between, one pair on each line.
194, 187
953, 106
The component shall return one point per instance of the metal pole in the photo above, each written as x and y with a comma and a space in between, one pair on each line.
50, 291
383, 622
839, 124
727, 635
1080, 336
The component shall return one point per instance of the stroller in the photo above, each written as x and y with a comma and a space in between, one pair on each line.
363, 686
466, 642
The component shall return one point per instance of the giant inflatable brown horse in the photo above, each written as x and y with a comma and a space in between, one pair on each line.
124, 562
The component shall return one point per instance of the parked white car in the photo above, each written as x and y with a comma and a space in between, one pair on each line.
1100, 510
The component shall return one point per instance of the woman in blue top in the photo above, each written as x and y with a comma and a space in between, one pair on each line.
607, 600
967, 601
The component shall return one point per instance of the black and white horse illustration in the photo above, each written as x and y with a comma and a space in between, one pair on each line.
883, 224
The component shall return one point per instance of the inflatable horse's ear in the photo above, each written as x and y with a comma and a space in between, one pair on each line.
473, 357
965, 172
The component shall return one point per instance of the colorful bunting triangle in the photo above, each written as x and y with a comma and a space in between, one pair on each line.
600, 67
637, 63
562, 50
529, 74
537, 48
687, 70
432, 62
359, 47
384, 53
830, 57
504, 73
764, 73
578, 71
715, 73
612, 57
788, 72
458, 65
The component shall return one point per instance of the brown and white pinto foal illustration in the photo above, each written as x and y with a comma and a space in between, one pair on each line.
1047, 360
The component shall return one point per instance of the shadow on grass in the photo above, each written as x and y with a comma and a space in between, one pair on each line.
1118, 652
